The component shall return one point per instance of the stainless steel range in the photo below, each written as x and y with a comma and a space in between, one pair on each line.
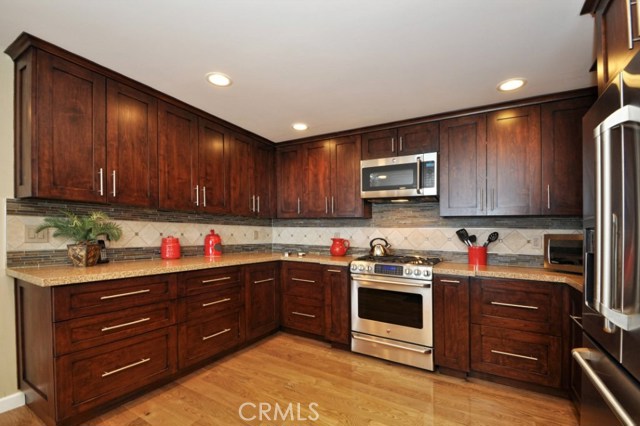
392, 309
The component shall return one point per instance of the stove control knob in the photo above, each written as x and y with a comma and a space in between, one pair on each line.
369, 268
361, 268
417, 272
354, 267
407, 271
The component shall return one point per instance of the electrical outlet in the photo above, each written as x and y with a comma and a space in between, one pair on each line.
256, 235
535, 242
31, 236
336, 235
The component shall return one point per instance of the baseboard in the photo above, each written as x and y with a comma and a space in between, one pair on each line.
12, 401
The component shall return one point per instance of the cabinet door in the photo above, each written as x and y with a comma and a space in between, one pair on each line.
451, 319
262, 300
614, 33
290, 184
418, 139
513, 161
71, 144
241, 173
132, 146
337, 302
463, 166
380, 144
264, 180
345, 179
213, 167
317, 172
562, 156
177, 153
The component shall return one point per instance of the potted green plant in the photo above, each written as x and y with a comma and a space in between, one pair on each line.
84, 230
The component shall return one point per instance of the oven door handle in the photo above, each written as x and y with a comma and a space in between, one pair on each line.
395, 283
393, 345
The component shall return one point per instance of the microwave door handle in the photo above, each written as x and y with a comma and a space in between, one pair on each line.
418, 172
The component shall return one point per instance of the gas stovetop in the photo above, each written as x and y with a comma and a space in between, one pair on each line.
413, 267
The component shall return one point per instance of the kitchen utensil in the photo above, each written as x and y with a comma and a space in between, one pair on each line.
492, 238
379, 249
339, 247
170, 248
473, 239
212, 244
463, 235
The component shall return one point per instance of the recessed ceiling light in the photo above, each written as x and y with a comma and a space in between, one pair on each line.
300, 126
218, 79
512, 84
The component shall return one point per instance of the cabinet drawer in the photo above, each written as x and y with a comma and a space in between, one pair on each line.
520, 305
93, 377
74, 301
87, 332
202, 339
303, 282
199, 282
303, 314
208, 304
530, 357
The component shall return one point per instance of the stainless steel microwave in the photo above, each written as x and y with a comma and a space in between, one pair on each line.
409, 176
564, 252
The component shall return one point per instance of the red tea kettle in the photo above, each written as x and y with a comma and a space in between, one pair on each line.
170, 248
339, 247
212, 244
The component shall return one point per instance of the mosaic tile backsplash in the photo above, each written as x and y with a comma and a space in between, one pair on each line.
409, 229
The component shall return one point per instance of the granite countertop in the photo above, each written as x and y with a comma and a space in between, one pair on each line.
514, 272
47, 276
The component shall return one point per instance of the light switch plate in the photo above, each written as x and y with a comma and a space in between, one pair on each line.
31, 236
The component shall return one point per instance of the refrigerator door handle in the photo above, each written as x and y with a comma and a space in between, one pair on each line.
582, 356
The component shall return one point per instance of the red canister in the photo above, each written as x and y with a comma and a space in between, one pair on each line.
212, 244
170, 248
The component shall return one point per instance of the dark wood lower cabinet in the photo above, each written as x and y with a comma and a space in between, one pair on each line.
451, 322
262, 299
337, 312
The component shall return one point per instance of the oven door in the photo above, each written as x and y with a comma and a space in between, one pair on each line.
392, 308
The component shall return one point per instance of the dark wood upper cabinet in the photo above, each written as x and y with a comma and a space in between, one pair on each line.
264, 171
562, 155
178, 150
513, 161
68, 152
213, 167
345, 180
132, 146
408, 140
463, 166
317, 174
290, 185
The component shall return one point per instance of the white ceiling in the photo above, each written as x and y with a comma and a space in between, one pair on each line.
335, 64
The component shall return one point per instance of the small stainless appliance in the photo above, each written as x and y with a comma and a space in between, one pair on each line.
392, 308
409, 176
563, 252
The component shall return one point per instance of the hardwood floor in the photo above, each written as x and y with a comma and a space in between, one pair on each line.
324, 387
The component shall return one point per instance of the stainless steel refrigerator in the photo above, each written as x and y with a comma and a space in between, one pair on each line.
610, 358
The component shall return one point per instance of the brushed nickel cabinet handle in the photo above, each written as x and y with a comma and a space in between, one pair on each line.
512, 305
226, 299
204, 196
101, 174
451, 282
253, 203
401, 148
226, 330
263, 281
258, 203
326, 205
130, 293
481, 199
337, 271
332, 205
393, 144
113, 181
303, 280
531, 358
113, 327
300, 314
493, 199
213, 280
126, 367
298, 205
197, 189
548, 197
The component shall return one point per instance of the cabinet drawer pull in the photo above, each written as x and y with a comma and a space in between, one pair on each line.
226, 299
337, 271
113, 176
131, 293
451, 282
101, 174
511, 305
113, 327
263, 281
514, 355
300, 314
213, 280
303, 280
117, 370
226, 330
